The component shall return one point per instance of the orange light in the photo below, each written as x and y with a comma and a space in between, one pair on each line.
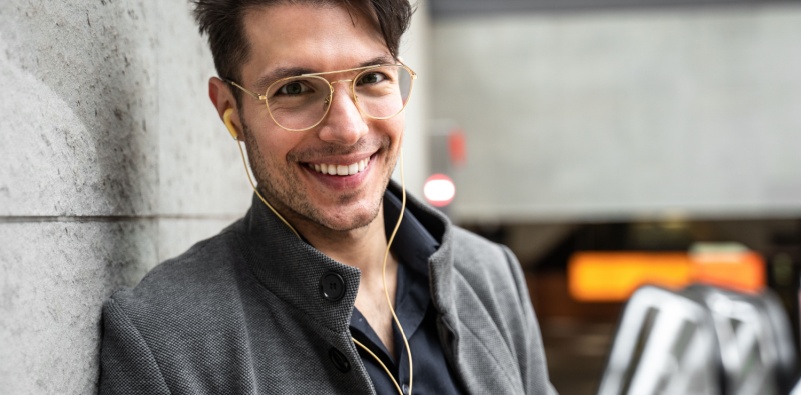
743, 271
614, 276
457, 147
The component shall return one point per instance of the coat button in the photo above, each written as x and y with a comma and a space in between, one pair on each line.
339, 360
332, 286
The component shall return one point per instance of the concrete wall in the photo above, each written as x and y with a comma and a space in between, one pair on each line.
625, 113
414, 51
111, 160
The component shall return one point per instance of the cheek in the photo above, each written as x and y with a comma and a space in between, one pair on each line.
394, 128
275, 144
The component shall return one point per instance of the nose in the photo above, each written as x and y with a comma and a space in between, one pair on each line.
344, 123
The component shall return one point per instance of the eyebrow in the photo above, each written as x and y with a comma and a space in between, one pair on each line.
283, 72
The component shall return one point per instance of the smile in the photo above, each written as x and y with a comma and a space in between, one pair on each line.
341, 170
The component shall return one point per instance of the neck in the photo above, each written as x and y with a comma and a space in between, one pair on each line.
365, 249
362, 248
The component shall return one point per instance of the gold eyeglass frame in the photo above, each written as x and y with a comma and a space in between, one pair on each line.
331, 93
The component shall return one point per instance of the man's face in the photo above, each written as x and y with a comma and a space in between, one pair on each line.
318, 39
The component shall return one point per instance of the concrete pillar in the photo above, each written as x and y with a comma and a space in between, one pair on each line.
414, 52
111, 160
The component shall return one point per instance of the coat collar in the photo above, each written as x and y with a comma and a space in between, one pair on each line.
292, 269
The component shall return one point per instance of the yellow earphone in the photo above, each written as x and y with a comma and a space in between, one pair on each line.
229, 124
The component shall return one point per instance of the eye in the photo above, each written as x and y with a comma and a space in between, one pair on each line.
372, 77
293, 88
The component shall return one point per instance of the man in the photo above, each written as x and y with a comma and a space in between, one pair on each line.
294, 298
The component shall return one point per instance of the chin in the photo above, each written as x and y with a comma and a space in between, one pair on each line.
348, 218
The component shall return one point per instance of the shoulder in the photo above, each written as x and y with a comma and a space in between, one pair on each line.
206, 273
488, 274
181, 323
482, 261
470, 243
494, 317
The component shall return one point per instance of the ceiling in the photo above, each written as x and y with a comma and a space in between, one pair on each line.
457, 8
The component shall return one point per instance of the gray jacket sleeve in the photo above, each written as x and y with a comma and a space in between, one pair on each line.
126, 364
533, 365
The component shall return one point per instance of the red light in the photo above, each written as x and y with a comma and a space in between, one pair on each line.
439, 190
457, 147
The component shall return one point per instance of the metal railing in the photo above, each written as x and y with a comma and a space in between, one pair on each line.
702, 340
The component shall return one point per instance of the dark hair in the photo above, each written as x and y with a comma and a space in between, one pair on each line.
222, 20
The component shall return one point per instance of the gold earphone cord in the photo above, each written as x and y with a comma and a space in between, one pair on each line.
380, 363
250, 180
383, 269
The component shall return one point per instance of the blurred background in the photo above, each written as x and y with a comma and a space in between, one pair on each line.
610, 144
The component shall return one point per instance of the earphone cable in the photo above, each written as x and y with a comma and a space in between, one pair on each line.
384, 272
400, 392
252, 185
383, 268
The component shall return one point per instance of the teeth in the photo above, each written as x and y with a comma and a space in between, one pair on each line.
341, 170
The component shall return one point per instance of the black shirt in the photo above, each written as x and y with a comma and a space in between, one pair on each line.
413, 246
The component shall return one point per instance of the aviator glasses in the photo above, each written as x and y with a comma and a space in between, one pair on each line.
301, 102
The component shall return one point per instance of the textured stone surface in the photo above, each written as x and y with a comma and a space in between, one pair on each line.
105, 131
78, 94
177, 235
110, 114
53, 278
200, 171
615, 115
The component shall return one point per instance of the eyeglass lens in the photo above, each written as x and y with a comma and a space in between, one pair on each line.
301, 102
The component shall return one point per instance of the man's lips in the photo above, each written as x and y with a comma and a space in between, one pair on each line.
341, 169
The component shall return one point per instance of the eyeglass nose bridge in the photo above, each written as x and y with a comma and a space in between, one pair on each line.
330, 97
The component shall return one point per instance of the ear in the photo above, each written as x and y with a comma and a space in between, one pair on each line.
225, 104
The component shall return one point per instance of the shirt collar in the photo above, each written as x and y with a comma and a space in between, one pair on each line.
413, 244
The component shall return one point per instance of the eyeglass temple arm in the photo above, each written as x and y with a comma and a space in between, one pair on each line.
249, 92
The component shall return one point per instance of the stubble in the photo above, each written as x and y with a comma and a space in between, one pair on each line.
281, 188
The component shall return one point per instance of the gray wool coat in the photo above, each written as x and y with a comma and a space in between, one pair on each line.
243, 313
